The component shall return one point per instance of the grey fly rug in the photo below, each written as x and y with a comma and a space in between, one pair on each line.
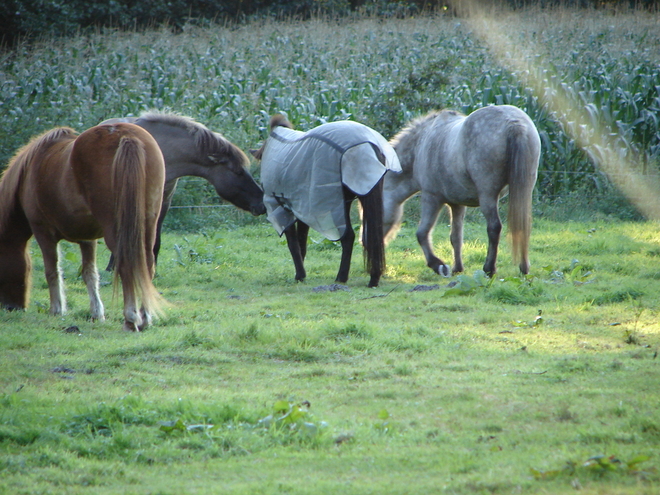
303, 173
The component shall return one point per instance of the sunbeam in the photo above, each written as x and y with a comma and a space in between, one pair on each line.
621, 165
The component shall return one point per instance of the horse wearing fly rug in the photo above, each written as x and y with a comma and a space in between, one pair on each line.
310, 179
189, 148
106, 182
464, 161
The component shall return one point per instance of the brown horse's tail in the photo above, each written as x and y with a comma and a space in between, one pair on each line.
523, 165
373, 238
130, 206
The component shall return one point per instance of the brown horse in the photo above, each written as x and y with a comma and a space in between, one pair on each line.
106, 182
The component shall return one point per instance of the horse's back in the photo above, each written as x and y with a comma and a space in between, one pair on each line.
493, 136
94, 151
466, 157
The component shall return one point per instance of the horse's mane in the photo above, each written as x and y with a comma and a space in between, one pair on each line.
209, 142
12, 177
405, 141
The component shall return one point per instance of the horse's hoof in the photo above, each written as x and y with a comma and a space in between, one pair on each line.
444, 270
130, 327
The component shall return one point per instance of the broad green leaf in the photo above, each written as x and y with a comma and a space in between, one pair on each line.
281, 406
169, 426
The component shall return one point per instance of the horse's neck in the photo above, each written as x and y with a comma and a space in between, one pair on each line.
180, 160
406, 149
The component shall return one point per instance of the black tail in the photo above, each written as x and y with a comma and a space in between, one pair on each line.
373, 239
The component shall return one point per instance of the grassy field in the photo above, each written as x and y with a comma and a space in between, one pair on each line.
253, 383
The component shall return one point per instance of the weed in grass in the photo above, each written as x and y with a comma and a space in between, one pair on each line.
193, 339
618, 296
564, 414
250, 334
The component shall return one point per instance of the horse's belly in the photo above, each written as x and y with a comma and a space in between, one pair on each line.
83, 228
454, 190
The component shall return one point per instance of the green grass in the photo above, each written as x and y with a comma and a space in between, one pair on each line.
408, 391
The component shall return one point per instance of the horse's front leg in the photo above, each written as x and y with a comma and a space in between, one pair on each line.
430, 211
456, 236
302, 232
50, 252
493, 228
293, 241
90, 276
168, 194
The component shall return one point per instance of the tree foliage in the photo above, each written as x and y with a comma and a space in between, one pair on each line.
28, 19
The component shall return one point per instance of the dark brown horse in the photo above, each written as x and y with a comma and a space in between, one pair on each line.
189, 148
311, 178
106, 182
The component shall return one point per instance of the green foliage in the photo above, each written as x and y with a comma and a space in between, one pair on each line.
32, 18
508, 290
377, 71
598, 466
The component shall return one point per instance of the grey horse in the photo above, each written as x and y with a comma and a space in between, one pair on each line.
463, 161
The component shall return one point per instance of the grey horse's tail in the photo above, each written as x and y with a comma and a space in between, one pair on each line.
523, 164
373, 238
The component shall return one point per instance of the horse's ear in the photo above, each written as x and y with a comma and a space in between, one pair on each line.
257, 153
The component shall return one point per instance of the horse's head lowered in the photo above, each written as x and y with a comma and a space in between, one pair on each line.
190, 148
228, 171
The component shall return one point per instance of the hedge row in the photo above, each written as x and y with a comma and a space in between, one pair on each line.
28, 19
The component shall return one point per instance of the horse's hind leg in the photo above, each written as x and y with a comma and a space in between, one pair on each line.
147, 319
347, 242
296, 240
493, 228
133, 321
132, 317
430, 212
456, 236
90, 276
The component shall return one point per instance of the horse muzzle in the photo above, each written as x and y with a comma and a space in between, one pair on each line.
258, 209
